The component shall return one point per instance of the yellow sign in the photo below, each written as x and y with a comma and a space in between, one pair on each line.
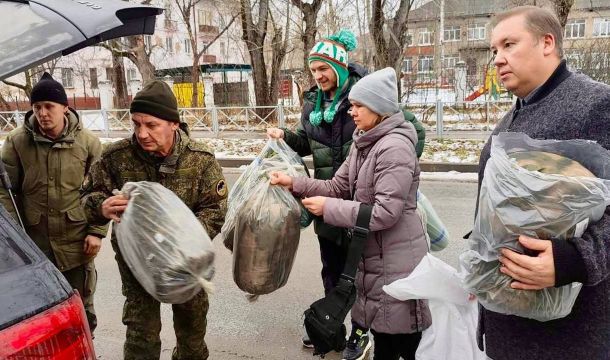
184, 94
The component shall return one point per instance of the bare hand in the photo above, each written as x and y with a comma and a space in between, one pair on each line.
530, 273
279, 178
113, 207
93, 245
275, 133
315, 204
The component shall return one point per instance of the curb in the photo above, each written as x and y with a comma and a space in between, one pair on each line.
431, 167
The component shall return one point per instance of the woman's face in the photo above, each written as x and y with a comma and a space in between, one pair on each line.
364, 118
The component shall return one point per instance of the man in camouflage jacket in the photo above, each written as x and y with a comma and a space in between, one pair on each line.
46, 160
161, 151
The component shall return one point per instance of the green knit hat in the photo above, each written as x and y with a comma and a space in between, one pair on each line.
157, 99
333, 51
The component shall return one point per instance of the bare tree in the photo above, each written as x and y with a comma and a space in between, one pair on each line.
562, 9
254, 32
187, 14
389, 34
308, 36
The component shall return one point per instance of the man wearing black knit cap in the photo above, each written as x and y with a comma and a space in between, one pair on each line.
160, 150
47, 159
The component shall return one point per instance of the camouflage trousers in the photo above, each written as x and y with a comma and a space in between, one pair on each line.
84, 279
141, 315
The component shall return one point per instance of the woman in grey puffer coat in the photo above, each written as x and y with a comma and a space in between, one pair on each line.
381, 170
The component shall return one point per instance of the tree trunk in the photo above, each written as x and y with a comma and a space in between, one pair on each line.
310, 16
121, 99
390, 43
141, 59
562, 9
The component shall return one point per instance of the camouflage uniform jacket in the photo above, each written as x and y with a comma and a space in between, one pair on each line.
46, 176
190, 171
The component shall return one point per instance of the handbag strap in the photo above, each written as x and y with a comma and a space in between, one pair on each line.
360, 233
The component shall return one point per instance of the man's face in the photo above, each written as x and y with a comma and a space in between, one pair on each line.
153, 134
50, 116
520, 56
324, 75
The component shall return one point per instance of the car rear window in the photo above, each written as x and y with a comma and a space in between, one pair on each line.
30, 33
11, 256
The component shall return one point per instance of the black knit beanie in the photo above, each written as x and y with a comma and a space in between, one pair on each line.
157, 99
47, 89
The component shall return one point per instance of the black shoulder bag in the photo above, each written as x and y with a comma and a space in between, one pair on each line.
324, 318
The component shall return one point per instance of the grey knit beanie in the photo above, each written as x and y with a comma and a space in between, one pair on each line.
377, 91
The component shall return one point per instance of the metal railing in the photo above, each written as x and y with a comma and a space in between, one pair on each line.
440, 117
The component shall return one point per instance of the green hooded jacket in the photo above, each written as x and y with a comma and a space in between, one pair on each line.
46, 176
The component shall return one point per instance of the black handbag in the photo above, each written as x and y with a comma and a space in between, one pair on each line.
324, 318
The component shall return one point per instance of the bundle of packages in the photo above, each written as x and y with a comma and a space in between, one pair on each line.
263, 222
435, 231
275, 156
164, 244
539, 188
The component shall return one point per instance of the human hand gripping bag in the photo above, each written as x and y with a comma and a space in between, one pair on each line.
165, 246
539, 188
275, 155
264, 221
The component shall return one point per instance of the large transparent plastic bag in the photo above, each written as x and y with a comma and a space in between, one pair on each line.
164, 244
533, 200
267, 232
452, 335
275, 156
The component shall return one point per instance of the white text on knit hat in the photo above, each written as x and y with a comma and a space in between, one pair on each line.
330, 50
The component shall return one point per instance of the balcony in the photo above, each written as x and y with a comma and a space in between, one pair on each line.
208, 30
208, 59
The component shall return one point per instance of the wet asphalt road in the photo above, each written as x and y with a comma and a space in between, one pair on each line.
270, 327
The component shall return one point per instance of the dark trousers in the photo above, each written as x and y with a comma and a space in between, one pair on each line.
393, 346
333, 260
84, 279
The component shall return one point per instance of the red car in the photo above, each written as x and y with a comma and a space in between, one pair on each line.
41, 316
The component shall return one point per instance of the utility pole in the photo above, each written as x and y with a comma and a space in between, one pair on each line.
440, 49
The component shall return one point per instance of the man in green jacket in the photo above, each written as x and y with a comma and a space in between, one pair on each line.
46, 159
160, 150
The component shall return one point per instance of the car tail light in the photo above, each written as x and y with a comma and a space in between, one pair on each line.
59, 333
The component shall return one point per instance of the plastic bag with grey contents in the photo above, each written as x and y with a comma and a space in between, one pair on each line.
164, 244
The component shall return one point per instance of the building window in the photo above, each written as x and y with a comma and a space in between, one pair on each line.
575, 29
187, 46
425, 64
110, 74
131, 74
410, 39
67, 78
147, 42
407, 65
451, 33
601, 27
575, 60
204, 17
169, 44
476, 32
450, 61
93, 77
425, 37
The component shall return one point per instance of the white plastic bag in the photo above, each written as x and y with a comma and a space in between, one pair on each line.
452, 335
164, 244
